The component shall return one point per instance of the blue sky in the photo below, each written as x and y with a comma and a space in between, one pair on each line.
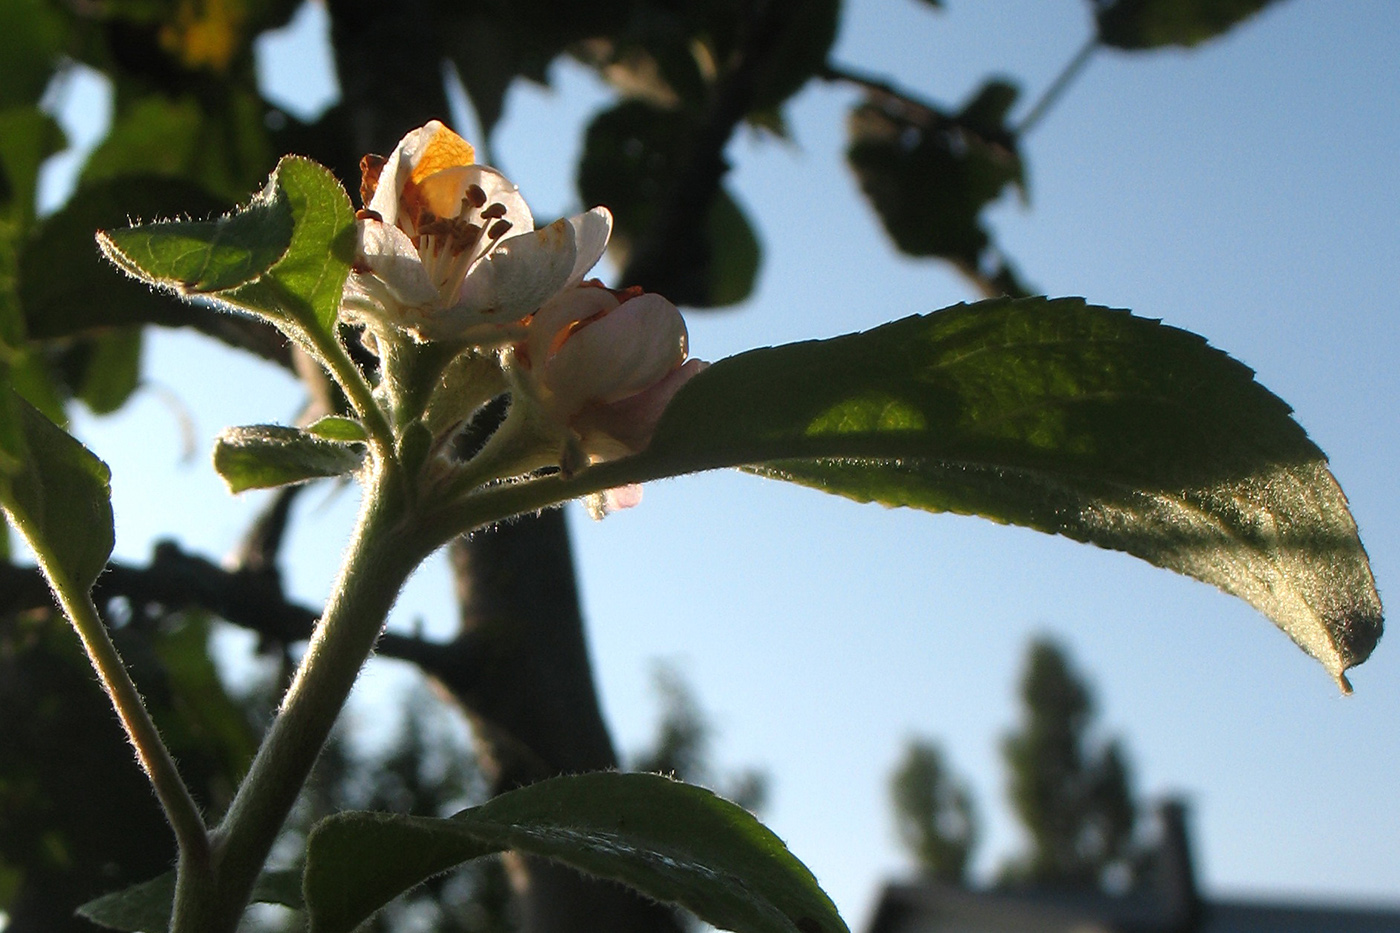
1246, 191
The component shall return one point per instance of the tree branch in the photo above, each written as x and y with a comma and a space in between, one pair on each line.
250, 599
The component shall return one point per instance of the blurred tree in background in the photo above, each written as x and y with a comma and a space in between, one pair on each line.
1073, 797
935, 814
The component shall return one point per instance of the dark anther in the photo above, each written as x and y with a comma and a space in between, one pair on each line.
365, 213
495, 210
475, 196
499, 229
370, 168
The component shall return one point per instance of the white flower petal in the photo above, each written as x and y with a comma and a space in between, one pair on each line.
392, 258
501, 190
591, 232
397, 169
521, 274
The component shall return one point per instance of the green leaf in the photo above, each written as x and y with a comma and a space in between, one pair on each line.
1150, 24
141, 908
28, 136
195, 258
338, 428
216, 139
58, 498
145, 907
265, 456
112, 371
34, 378
66, 287
671, 841
306, 283
283, 257
205, 717
1058, 416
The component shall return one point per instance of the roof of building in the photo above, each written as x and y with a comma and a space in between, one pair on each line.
1167, 901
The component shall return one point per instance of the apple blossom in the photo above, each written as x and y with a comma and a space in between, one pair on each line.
602, 366
447, 249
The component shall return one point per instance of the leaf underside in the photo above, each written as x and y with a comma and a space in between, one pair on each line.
674, 842
1060, 416
265, 456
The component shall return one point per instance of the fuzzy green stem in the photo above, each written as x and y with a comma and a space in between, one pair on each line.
357, 390
382, 553
180, 808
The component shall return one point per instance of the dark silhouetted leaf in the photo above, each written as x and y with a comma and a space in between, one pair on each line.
1058, 416
631, 156
145, 907
265, 456
493, 44
31, 40
112, 370
672, 841
58, 498
929, 175
1149, 24
141, 908
806, 31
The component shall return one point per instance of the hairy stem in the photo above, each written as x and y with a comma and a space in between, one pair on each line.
382, 553
174, 796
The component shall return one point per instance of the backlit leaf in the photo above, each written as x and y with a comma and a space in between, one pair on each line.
58, 498
283, 257
84, 292
1058, 416
671, 841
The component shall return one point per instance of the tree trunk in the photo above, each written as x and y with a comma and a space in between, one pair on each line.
532, 703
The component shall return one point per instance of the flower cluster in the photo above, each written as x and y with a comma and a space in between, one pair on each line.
448, 250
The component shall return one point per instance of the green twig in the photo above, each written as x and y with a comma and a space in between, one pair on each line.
1058, 87
382, 554
356, 388
175, 799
